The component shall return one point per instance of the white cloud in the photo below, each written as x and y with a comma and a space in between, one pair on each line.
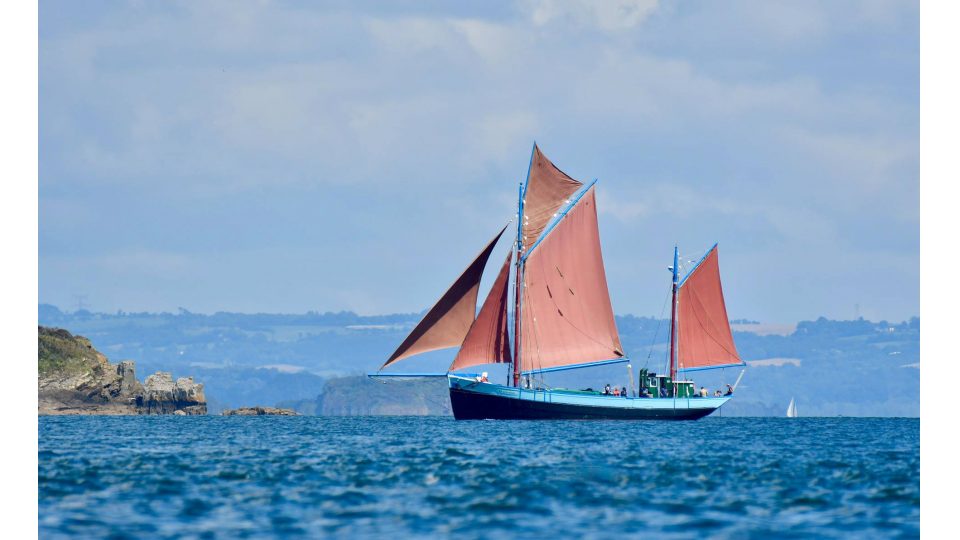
867, 161
610, 15
491, 41
501, 134
711, 114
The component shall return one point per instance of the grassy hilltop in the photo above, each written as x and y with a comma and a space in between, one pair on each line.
60, 352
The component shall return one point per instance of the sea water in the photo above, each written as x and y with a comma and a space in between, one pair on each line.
395, 477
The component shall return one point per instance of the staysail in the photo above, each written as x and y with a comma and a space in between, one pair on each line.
546, 191
567, 317
449, 320
704, 338
488, 341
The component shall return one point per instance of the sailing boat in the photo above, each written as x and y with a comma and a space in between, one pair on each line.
562, 318
792, 409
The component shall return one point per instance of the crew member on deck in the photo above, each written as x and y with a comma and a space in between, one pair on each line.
729, 390
703, 392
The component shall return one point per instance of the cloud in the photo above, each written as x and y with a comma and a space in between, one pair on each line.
868, 161
610, 16
295, 126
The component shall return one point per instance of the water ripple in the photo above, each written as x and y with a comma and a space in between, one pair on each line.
227, 477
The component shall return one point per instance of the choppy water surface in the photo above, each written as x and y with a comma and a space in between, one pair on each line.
211, 477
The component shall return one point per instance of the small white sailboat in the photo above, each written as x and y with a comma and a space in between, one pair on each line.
792, 409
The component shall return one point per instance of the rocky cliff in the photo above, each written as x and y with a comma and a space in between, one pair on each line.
75, 378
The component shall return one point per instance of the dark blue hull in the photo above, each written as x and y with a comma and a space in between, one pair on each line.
469, 405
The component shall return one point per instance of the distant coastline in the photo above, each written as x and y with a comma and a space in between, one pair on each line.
850, 368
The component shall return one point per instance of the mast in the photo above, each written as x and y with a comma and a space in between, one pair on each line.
673, 318
518, 284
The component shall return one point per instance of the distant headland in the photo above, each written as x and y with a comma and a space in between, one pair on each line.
75, 378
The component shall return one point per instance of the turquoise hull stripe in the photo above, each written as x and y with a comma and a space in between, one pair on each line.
573, 397
577, 366
388, 375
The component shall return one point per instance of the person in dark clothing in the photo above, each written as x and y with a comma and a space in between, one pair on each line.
663, 392
606, 390
729, 390
643, 392
623, 392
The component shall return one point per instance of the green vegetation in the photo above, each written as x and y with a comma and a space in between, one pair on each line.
63, 354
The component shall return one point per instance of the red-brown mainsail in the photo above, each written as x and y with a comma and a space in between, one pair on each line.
488, 342
547, 190
449, 320
704, 338
567, 317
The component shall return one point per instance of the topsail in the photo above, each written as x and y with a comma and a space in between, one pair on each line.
546, 191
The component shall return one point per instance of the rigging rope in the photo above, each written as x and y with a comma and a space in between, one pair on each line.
656, 334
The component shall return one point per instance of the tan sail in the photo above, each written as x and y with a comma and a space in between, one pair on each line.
449, 320
567, 317
547, 190
704, 338
488, 342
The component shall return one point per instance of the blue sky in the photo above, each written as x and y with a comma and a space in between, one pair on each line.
288, 156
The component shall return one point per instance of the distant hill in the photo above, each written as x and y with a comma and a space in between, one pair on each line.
856, 368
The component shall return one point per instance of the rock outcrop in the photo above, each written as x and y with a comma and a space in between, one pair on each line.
75, 378
163, 396
259, 411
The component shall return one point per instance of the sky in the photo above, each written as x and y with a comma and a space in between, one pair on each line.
259, 156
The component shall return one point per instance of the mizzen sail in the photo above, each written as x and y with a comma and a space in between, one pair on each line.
449, 320
567, 317
704, 338
488, 341
547, 190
